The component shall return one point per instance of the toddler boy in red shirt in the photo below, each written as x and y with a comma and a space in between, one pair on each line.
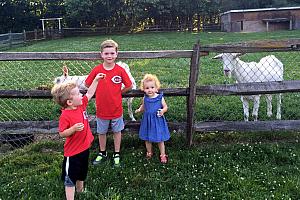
74, 126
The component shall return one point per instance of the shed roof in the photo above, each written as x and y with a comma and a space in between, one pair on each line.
260, 10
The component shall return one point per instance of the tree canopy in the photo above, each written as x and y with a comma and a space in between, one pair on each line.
17, 15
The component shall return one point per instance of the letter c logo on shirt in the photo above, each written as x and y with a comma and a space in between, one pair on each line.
116, 79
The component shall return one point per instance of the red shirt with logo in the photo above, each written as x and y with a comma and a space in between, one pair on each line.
108, 92
80, 140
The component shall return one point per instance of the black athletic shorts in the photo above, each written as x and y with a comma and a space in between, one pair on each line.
75, 168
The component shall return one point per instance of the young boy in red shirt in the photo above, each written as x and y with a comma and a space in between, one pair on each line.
109, 92
74, 126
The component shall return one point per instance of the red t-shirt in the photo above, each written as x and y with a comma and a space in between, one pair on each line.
81, 140
108, 92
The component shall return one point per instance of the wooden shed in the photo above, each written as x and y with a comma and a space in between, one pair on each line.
259, 20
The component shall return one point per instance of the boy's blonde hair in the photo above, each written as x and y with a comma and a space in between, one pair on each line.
108, 44
150, 77
62, 92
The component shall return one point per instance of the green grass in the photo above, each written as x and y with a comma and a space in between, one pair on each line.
218, 166
154, 41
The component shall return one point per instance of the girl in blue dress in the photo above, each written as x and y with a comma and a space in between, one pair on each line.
153, 127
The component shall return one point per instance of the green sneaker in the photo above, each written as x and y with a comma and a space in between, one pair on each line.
100, 159
116, 160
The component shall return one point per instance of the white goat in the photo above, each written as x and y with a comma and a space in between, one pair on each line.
80, 81
269, 68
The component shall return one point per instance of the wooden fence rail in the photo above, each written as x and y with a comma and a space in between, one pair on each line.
190, 126
220, 90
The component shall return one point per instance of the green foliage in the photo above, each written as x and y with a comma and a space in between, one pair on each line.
25, 14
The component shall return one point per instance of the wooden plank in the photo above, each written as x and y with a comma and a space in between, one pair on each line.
25, 94
46, 94
51, 127
255, 46
9, 56
240, 126
224, 90
250, 88
191, 99
276, 20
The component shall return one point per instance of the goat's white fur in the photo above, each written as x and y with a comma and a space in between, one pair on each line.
269, 68
80, 81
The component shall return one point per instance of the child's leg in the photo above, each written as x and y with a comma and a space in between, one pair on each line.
102, 155
117, 144
117, 125
163, 157
117, 141
149, 152
161, 146
102, 142
148, 147
102, 127
70, 192
79, 186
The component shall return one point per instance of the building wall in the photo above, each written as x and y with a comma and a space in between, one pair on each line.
225, 23
296, 19
253, 21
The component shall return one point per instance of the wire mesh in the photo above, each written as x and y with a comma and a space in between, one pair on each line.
40, 75
172, 72
251, 67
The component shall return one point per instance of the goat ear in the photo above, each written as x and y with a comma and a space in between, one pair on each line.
219, 56
65, 70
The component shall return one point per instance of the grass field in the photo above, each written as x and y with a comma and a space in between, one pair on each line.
218, 166
230, 165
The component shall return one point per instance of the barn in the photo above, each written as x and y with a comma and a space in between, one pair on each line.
259, 20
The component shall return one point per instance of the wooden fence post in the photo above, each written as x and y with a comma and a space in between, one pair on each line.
191, 98
10, 39
24, 35
35, 34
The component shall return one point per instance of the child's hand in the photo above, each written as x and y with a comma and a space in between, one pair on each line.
78, 126
100, 76
137, 111
160, 112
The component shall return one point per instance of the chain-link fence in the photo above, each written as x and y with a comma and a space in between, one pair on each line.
173, 72
31, 75
229, 68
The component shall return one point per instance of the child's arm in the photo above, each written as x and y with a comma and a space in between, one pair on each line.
164, 107
141, 108
124, 90
92, 89
70, 131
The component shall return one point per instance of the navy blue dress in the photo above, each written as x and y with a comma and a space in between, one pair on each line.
153, 128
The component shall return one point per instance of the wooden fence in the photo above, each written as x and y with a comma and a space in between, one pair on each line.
204, 27
191, 93
71, 32
10, 39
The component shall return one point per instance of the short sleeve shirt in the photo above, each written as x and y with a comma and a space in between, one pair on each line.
108, 92
81, 140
